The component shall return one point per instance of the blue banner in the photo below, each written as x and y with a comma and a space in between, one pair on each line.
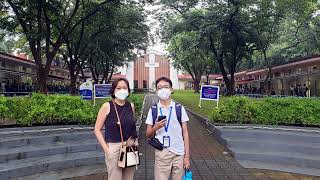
102, 90
210, 92
86, 94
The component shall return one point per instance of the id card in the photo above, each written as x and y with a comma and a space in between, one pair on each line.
166, 141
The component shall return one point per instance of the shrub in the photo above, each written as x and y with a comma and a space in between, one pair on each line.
234, 110
43, 109
49, 109
272, 111
3, 107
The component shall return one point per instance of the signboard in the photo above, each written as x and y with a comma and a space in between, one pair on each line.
209, 92
101, 91
86, 90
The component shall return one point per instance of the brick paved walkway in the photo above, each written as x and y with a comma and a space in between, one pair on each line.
208, 160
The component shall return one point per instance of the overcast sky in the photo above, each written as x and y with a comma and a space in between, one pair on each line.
154, 28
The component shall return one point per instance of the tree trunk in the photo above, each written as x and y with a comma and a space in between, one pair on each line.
267, 80
73, 83
42, 78
229, 82
269, 69
196, 83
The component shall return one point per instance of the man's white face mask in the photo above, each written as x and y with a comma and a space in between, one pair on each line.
164, 93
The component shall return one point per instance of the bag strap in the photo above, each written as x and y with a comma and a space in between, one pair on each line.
179, 113
119, 122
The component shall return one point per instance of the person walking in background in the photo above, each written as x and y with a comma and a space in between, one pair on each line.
3, 86
305, 90
291, 90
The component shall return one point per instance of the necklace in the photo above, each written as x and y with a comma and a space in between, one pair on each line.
120, 114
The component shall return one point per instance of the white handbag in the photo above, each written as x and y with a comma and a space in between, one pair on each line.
129, 153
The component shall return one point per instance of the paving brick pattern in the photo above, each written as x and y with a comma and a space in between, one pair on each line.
209, 160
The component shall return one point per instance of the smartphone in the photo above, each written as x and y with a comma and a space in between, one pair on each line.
161, 118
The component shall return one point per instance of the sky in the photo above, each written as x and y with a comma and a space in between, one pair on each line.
154, 25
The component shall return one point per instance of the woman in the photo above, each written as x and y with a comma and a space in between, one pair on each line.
107, 117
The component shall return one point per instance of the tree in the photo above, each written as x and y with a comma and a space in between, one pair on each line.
189, 49
277, 29
236, 29
226, 27
45, 25
111, 39
6, 42
190, 54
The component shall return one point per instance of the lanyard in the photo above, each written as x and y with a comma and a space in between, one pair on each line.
167, 126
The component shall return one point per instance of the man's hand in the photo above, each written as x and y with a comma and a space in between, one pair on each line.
159, 124
186, 162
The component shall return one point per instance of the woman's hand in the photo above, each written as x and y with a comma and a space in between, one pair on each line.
106, 151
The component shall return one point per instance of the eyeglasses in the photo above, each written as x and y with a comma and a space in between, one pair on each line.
161, 87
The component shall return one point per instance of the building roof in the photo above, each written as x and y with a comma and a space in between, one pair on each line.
153, 51
188, 77
17, 59
301, 61
118, 75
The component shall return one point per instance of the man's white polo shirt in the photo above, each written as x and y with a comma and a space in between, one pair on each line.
174, 128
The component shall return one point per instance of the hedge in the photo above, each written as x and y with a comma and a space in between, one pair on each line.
271, 111
52, 109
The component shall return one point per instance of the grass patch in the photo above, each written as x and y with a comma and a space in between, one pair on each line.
191, 100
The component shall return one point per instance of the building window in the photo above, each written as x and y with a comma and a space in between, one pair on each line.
135, 84
24, 69
3, 64
20, 69
144, 84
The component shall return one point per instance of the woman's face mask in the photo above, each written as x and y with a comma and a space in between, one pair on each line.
121, 94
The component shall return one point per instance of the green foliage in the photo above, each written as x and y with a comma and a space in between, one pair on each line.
3, 106
46, 109
235, 30
49, 109
107, 40
236, 109
189, 49
243, 110
272, 111
137, 100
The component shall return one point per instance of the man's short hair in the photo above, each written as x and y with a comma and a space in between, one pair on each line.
164, 79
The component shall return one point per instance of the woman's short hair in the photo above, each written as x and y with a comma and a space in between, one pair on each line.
115, 84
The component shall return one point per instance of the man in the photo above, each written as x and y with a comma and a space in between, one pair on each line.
172, 132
